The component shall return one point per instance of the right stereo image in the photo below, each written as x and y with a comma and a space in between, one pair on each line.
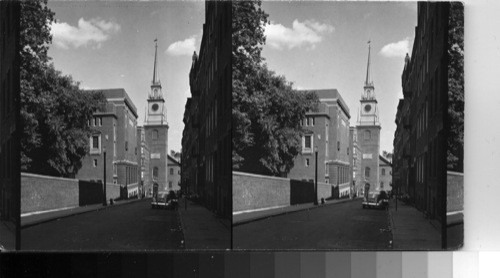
348, 125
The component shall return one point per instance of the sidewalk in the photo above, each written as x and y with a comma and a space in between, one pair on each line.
246, 217
203, 229
411, 230
36, 218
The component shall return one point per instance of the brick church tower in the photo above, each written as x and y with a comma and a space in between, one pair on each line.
368, 130
156, 131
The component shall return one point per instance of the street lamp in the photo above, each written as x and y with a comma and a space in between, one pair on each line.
316, 176
104, 202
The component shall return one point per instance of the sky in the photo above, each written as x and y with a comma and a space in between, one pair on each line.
111, 45
323, 45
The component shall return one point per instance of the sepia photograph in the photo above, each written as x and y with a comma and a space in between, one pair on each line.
348, 125
123, 146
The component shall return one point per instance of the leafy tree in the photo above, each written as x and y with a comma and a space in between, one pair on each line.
266, 110
54, 111
456, 86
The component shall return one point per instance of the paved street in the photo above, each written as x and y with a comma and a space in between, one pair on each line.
337, 226
133, 226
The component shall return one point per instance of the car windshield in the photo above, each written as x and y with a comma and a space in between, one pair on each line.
162, 195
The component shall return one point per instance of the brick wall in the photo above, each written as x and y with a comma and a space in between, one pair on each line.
39, 193
252, 191
255, 191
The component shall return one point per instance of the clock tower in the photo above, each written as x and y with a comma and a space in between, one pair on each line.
156, 133
368, 130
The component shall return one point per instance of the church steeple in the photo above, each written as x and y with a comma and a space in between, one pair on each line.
369, 89
155, 84
368, 81
155, 63
369, 112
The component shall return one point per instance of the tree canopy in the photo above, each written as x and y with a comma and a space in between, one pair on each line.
266, 109
54, 111
456, 87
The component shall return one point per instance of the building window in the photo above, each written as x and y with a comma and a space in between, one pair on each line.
368, 135
327, 181
155, 134
171, 171
155, 173
381, 185
95, 121
327, 170
347, 150
338, 145
95, 162
367, 172
169, 184
95, 144
307, 162
312, 124
100, 121
307, 121
126, 145
307, 143
383, 172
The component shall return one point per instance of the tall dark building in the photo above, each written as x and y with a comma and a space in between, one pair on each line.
10, 190
426, 157
210, 81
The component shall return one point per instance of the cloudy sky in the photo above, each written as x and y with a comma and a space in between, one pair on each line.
321, 45
111, 45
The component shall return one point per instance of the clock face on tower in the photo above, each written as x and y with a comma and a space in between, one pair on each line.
368, 108
154, 107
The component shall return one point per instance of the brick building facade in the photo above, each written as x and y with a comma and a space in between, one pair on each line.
174, 174
210, 82
114, 132
327, 131
423, 120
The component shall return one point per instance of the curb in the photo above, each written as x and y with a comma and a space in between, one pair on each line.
257, 218
41, 221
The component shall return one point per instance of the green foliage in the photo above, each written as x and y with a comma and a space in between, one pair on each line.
266, 110
456, 87
54, 111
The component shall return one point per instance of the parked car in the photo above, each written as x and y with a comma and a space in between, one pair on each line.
165, 200
377, 199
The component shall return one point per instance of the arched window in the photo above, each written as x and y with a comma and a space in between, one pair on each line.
368, 135
155, 172
154, 134
367, 172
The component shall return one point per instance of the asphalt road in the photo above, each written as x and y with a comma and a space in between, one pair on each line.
133, 226
337, 226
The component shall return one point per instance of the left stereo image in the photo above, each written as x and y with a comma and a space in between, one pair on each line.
112, 133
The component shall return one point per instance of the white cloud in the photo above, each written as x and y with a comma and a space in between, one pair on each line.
88, 33
185, 47
396, 49
307, 33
